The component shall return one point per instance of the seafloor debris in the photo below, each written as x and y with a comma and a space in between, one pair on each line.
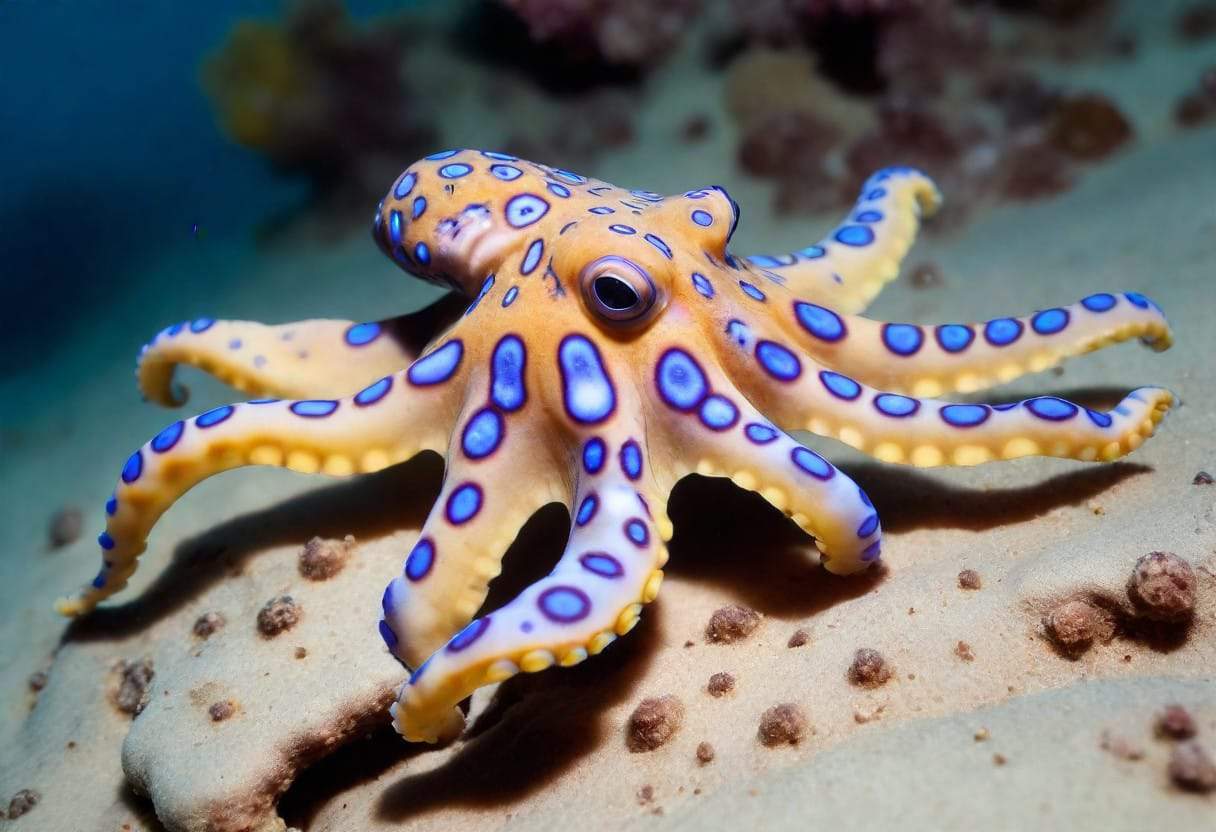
1088, 127
1196, 22
219, 711
705, 753
1121, 747
1191, 767
969, 579
322, 559
278, 615
1202, 478
1176, 723
1198, 106
65, 527
1076, 624
720, 684
926, 275
208, 624
731, 624
654, 722
135, 678
799, 638
22, 802
964, 652
784, 724
869, 668
1162, 587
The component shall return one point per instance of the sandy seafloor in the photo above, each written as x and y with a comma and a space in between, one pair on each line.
550, 749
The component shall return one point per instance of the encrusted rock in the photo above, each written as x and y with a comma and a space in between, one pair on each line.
1162, 587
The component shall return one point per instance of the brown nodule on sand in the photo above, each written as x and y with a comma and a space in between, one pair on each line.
963, 651
1202, 478
731, 624
1176, 723
926, 275
22, 802
654, 722
219, 711
321, 559
1191, 768
38, 680
1162, 587
869, 669
1121, 747
645, 794
969, 579
132, 694
720, 684
799, 638
279, 615
784, 724
1074, 625
207, 624
705, 753
65, 527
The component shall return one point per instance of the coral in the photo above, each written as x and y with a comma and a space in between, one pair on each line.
634, 33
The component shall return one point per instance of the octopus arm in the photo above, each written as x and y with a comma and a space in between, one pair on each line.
849, 267
612, 565
386, 423
933, 360
296, 360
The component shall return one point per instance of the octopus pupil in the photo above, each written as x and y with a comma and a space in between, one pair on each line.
615, 293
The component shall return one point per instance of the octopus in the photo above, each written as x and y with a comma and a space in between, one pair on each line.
597, 345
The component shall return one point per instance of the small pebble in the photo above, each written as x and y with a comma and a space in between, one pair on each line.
784, 724
207, 624
645, 794
981, 735
869, 668
1191, 768
731, 624
322, 559
963, 651
1176, 723
999, 759
1202, 478
927, 275
1073, 625
799, 638
695, 128
969, 579
1121, 747
38, 680
720, 684
22, 802
1162, 586
65, 527
219, 711
705, 753
301, 652
654, 722
279, 614
132, 694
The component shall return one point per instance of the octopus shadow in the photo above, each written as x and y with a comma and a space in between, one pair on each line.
367, 507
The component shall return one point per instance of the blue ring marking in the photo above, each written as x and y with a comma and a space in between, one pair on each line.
1102, 420
865, 498
872, 551
387, 604
564, 604
751, 291
1049, 321
263, 401
854, 235
719, 413
1051, 408
359, 335
509, 297
586, 510
390, 638
593, 455
133, 468
176, 329
842, 387
314, 408
569, 176
422, 253
868, 526
1006, 406
112, 506
658, 243
508, 387
636, 531
702, 218
813, 252
1137, 299
680, 380
777, 361
701, 283
395, 226
965, 415
1001, 332
483, 434
463, 503
507, 173
418, 673
443, 154
473, 631
602, 564
954, 337
602, 209
455, 170
420, 561
100, 580
823, 323
765, 261
738, 332
105, 541
868, 216
167, 438
502, 157
812, 463
877, 193
903, 339
620, 228
1101, 302
760, 434
438, 366
201, 324
405, 185
486, 286
374, 392
419, 207
631, 459
214, 416
893, 404
532, 257
559, 190
525, 209
587, 389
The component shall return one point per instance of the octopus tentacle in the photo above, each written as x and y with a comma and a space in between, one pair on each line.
386, 423
932, 360
612, 566
849, 267
323, 358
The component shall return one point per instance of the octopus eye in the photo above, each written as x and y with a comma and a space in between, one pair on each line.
617, 289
